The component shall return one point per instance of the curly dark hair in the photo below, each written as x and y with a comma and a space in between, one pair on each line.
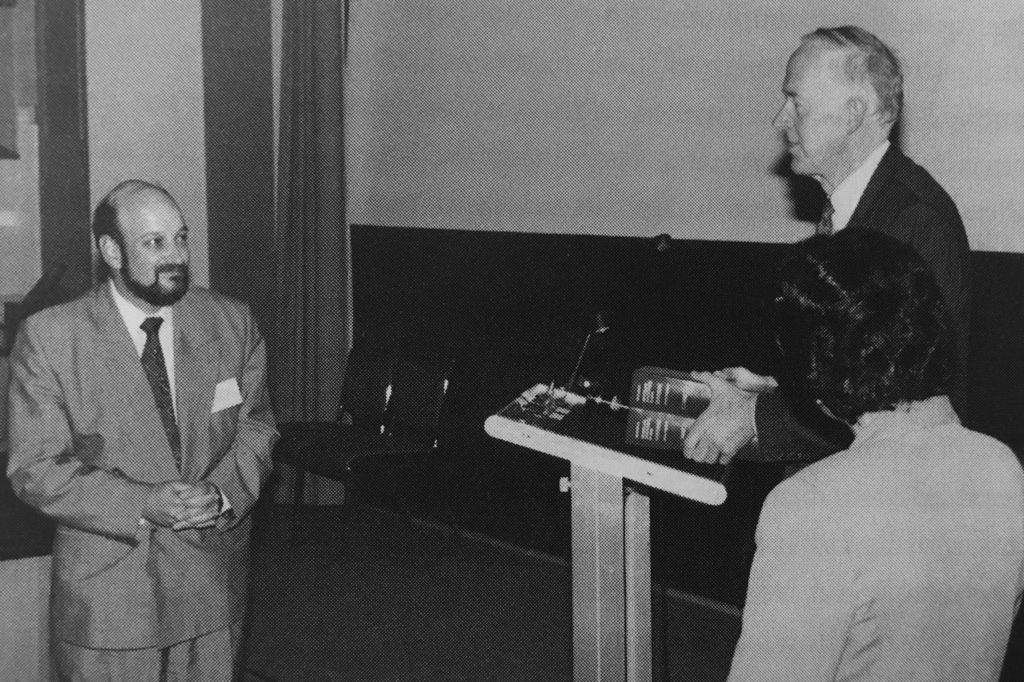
861, 325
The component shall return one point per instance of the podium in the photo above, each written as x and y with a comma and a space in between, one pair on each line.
611, 538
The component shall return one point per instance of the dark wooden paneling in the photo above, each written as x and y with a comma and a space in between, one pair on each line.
512, 310
997, 347
518, 303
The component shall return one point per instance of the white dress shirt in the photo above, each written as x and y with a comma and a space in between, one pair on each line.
133, 317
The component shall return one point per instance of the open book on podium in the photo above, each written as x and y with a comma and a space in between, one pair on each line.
641, 440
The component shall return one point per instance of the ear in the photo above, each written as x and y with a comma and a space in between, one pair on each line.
856, 112
110, 252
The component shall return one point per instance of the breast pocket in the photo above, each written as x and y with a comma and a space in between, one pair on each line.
223, 428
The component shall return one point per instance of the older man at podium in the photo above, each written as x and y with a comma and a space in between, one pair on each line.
843, 96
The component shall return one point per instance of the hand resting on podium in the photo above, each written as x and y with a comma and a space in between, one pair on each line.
727, 425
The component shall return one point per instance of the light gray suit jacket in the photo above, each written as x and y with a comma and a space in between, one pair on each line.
87, 442
900, 558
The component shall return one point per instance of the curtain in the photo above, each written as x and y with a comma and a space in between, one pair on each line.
313, 328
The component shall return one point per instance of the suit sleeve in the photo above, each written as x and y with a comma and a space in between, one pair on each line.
48, 465
241, 473
942, 242
792, 436
788, 432
799, 600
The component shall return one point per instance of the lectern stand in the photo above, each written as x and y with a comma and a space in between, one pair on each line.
611, 540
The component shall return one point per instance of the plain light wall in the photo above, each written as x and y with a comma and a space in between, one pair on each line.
637, 118
144, 75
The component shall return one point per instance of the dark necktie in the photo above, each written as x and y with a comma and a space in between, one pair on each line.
824, 225
156, 372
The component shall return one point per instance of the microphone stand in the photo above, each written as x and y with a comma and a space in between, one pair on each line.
583, 351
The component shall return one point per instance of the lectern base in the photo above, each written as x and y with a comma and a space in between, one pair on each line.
611, 579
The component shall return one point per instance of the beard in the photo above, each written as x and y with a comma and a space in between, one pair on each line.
156, 294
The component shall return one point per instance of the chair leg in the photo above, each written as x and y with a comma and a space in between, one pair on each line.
300, 489
454, 482
347, 502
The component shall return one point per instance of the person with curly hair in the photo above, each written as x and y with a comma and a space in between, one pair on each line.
900, 557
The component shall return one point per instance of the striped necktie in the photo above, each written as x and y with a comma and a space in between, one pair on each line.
824, 225
156, 372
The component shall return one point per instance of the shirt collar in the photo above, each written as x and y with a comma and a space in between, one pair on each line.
132, 314
847, 195
915, 416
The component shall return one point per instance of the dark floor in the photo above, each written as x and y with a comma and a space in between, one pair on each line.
396, 600
400, 600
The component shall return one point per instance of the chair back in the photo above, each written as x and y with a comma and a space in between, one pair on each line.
366, 388
417, 399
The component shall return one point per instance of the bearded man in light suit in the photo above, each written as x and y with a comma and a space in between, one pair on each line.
150, 470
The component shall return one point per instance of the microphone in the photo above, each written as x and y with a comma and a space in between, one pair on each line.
598, 325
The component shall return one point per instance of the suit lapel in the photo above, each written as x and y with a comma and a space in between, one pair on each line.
195, 368
132, 398
862, 215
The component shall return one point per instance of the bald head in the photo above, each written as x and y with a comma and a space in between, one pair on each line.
130, 194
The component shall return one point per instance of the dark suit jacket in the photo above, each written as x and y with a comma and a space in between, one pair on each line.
87, 443
903, 201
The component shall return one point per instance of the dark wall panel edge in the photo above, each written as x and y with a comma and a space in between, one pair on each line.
238, 93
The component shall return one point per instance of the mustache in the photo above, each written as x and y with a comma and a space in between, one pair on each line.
172, 268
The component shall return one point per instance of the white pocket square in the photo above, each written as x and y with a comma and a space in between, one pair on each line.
226, 395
